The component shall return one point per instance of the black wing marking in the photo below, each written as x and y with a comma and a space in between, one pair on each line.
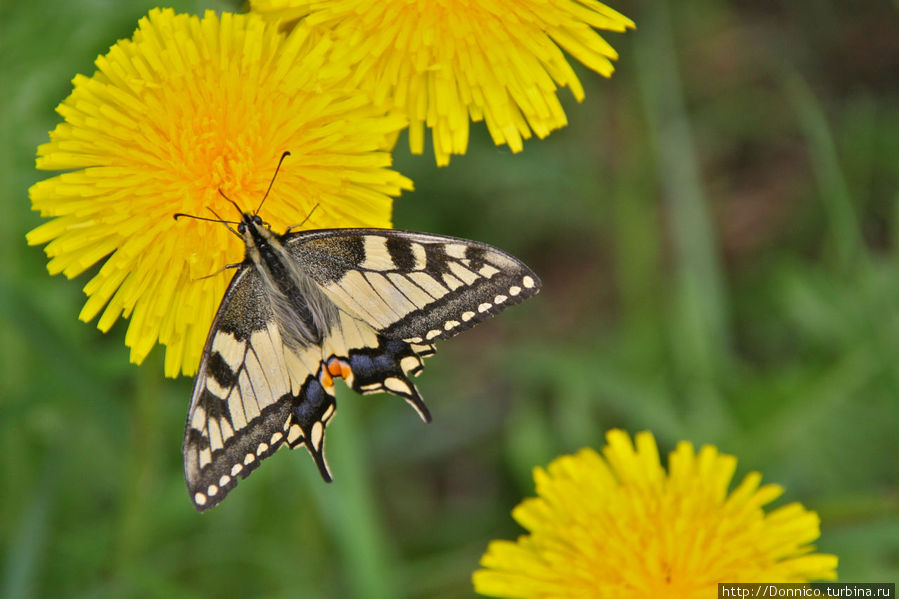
409, 286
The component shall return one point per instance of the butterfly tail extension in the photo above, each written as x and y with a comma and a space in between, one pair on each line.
314, 408
387, 368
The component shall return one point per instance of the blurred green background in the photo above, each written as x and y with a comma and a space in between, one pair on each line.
718, 235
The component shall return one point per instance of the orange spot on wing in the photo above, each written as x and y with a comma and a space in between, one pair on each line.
337, 367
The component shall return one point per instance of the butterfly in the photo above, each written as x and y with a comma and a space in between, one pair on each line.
304, 308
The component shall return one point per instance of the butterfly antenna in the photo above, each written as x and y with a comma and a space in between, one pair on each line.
272, 182
233, 203
217, 219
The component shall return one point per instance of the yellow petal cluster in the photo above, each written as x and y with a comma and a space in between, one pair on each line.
186, 108
619, 525
443, 62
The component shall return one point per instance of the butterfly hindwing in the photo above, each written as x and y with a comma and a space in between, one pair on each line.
386, 368
305, 308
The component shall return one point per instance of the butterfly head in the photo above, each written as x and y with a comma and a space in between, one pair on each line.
250, 222
257, 236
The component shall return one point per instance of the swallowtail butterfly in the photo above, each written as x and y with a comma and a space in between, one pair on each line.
304, 308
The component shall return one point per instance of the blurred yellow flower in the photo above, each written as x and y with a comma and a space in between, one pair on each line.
620, 526
187, 107
442, 62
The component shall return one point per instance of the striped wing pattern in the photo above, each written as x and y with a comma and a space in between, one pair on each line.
413, 286
395, 292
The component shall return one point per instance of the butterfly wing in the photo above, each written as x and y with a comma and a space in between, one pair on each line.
412, 287
252, 394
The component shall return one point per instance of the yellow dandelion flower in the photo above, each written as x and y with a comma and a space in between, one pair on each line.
620, 526
187, 107
445, 61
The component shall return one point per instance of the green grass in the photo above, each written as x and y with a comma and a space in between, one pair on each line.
718, 235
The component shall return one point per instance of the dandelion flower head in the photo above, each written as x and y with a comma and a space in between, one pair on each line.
619, 525
442, 62
187, 108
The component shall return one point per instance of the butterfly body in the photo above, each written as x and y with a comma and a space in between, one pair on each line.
300, 308
305, 308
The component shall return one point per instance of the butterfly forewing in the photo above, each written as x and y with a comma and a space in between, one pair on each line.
267, 373
412, 286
